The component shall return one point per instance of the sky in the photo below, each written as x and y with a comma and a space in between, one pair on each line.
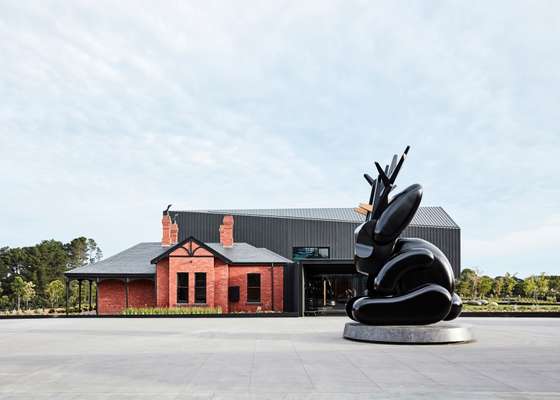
109, 111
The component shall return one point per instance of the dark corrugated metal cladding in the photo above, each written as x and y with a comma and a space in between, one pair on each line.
281, 234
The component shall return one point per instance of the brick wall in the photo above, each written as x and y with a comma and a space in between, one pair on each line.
141, 293
238, 277
112, 295
278, 288
166, 230
219, 277
162, 282
202, 261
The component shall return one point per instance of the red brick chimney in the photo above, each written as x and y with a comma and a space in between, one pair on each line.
174, 232
226, 231
166, 226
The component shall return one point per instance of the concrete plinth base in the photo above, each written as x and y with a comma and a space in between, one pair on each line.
439, 333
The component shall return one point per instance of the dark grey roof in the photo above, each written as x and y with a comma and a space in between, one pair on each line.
425, 216
132, 261
242, 253
137, 259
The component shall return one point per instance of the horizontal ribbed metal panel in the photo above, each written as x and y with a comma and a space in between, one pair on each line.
281, 234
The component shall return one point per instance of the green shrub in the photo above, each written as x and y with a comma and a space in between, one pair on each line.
191, 310
495, 307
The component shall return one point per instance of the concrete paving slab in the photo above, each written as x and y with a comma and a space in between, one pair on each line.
270, 358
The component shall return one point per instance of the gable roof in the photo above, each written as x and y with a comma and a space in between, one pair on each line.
182, 243
132, 261
239, 253
140, 259
433, 216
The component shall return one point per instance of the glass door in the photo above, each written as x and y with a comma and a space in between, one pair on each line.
319, 293
324, 292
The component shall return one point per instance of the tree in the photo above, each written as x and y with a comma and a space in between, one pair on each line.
94, 252
13, 263
509, 284
18, 289
498, 286
518, 288
82, 251
554, 285
48, 262
542, 285
28, 293
485, 285
4, 302
43, 263
55, 292
77, 253
530, 287
3, 266
554, 282
468, 283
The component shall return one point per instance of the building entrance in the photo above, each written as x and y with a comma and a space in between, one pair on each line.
327, 288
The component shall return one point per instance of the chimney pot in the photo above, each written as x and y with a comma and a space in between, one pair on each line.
174, 232
226, 231
166, 228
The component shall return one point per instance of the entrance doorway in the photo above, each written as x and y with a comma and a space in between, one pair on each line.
327, 288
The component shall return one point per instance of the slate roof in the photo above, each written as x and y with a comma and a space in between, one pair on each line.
137, 259
132, 261
425, 216
244, 253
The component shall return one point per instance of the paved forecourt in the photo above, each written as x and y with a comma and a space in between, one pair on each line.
270, 358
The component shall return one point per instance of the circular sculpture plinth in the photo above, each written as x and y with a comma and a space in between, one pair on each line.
440, 333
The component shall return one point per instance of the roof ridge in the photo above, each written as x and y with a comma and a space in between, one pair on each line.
234, 243
447, 214
276, 208
429, 216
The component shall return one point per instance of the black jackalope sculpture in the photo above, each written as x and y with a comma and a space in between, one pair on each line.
410, 281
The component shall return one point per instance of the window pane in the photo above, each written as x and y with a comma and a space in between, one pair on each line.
182, 287
200, 287
200, 295
323, 252
253, 280
254, 295
182, 279
253, 288
233, 294
301, 253
182, 294
200, 279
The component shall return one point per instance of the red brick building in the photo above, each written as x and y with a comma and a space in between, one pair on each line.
237, 277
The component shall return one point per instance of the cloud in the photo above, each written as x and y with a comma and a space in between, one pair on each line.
110, 111
523, 252
535, 239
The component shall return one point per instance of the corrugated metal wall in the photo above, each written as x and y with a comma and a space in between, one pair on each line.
281, 234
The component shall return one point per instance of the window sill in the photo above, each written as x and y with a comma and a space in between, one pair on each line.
254, 303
